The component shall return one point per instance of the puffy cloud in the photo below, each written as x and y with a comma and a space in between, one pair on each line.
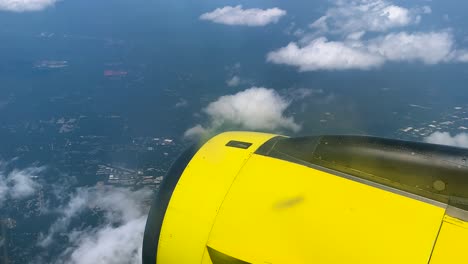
18, 184
352, 53
352, 20
234, 81
444, 138
25, 5
321, 54
118, 237
256, 108
229, 15
430, 48
109, 244
367, 15
194, 132
22, 183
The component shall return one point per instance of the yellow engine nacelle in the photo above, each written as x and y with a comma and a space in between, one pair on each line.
247, 197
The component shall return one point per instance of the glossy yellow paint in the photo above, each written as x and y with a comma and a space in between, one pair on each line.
261, 210
281, 212
452, 243
198, 195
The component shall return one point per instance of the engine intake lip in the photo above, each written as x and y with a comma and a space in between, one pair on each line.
160, 203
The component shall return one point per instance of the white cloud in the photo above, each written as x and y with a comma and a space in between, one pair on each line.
229, 15
426, 10
22, 183
429, 48
256, 108
446, 17
461, 55
18, 184
297, 94
321, 54
320, 24
25, 5
195, 132
181, 103
113, 245
351, 20
117, 239
356, 35
234, 81
74, 207
444, 138
3, 189
353, 53
367, 15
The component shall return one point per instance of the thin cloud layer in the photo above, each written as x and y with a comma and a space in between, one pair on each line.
367, 15
236, 16
18, 184
444, 138
117, 239
25, 5
461, 55
234, 81
181, 103
256, 108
